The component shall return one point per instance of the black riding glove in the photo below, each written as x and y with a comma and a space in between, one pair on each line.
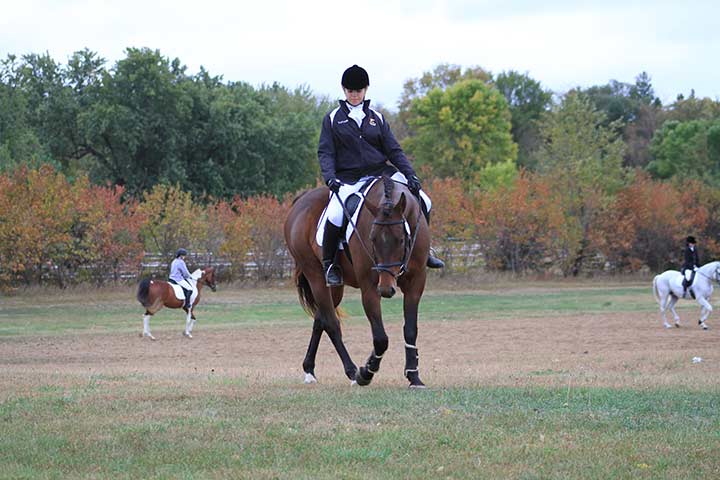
414, 185
334, 184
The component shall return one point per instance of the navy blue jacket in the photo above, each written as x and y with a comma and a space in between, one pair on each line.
348, 152
692, 259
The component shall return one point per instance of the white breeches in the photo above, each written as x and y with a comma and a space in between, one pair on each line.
185, 284
688, 274
335, 211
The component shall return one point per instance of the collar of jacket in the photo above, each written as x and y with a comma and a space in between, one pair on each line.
344, 107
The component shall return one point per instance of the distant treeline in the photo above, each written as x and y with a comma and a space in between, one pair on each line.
543, 180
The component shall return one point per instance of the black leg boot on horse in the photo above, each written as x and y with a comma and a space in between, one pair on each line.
331, 240
432, 261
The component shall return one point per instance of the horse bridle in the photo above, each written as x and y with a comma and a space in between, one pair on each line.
212, 286
386, 267
409, 245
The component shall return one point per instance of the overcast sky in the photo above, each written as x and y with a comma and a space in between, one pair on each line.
560, 43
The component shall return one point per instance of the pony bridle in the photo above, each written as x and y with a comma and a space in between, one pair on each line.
212, 286
409, 245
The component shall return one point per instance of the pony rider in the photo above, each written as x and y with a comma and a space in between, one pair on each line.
179, 275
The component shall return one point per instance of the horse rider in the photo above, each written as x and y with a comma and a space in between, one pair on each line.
355, 143
691, 263
179, 275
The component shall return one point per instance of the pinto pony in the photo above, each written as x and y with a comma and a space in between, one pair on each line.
156, 294
389, 249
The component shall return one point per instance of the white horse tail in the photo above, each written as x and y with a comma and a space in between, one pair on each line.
655, 290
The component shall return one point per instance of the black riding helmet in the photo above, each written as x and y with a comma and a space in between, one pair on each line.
690, 240
355, 78
180, 251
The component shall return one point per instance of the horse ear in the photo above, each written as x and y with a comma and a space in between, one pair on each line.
374, 209
400, 207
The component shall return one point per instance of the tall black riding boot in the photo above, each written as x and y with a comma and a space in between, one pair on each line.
331, 239
188, 294
432, 261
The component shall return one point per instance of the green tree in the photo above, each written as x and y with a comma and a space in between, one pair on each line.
583, 155
442, 76
527, 101
688, 150
134, 128
461, 130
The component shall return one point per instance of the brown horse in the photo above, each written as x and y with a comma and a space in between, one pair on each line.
156, 294
384, 256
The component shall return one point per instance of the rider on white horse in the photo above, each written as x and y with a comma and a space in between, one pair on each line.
179, 275
691, 263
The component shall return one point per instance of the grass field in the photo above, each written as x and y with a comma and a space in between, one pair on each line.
551, 380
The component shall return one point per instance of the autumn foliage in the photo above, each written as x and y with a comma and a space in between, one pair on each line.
54, 231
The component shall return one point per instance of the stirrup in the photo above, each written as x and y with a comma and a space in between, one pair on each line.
333, 271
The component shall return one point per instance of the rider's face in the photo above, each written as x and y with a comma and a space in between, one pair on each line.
355, 97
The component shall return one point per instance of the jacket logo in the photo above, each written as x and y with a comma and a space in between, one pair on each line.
372, 122
342, 121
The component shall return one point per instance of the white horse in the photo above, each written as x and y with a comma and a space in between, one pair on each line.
667, 289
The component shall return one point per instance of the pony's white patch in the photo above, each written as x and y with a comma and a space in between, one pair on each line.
310, 378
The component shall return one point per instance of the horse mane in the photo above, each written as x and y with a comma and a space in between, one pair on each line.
389, 187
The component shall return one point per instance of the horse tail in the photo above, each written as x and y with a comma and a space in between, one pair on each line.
143, 292
655, 289
307, 300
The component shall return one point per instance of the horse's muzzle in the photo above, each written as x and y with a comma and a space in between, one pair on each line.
387, 291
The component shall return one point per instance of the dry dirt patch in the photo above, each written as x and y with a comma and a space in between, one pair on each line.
617, 350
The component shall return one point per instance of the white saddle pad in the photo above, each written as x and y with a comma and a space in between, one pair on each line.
347, 191
180, 295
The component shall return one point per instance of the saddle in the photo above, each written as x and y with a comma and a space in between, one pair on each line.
353, 205
180, 294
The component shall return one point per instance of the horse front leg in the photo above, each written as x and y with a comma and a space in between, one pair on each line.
146, 326
411, 302
189, 323
371, 305
705, 312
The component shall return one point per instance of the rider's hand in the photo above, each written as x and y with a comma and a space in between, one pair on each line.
334, 184
414, 184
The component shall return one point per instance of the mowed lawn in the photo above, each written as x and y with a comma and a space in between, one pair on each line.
546, 380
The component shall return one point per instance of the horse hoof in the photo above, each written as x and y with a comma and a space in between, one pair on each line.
361, 379
667, 325
677, 325
147, 335
421, 386
187, 334
705, 327
353, 383
310, 378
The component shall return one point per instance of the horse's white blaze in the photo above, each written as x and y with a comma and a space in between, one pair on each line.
667, 289
310, 378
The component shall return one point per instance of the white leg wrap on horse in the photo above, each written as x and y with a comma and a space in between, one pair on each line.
146, 324
407, 345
